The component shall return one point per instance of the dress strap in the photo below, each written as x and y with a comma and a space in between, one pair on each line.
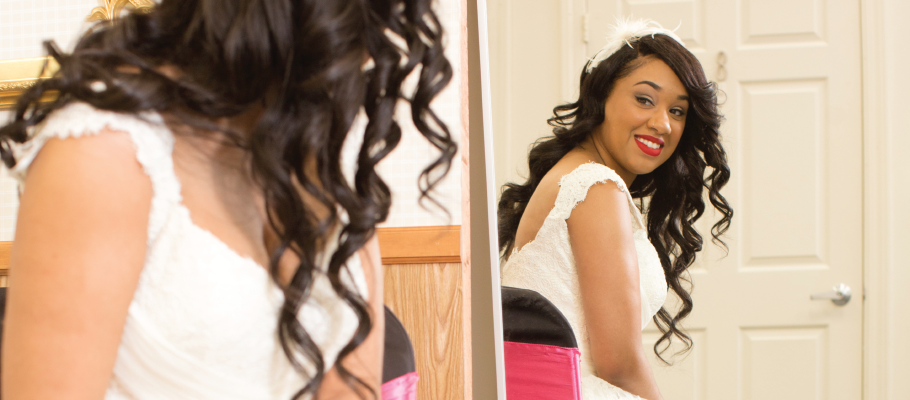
153, 141
573, 188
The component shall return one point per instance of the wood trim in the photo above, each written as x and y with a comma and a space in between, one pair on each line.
420, 260
420, 244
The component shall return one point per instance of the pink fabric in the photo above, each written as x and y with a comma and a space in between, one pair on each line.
537, 371
401, 388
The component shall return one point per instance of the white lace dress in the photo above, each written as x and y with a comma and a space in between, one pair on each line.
547, 266
203, 320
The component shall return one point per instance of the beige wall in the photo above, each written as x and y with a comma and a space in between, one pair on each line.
525, 66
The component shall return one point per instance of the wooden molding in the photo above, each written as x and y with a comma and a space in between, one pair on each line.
409, 245
420, 244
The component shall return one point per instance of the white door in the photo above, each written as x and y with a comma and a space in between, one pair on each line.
791, 77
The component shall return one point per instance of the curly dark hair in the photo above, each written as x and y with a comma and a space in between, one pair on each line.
306, 63
673, 190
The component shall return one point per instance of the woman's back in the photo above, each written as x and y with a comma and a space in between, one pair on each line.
547, 264
202, 321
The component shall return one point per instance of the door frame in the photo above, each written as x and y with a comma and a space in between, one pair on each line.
878, 267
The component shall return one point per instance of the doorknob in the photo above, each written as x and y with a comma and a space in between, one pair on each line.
838, 295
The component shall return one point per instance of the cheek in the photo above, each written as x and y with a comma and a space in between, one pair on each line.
674, 144
676, 136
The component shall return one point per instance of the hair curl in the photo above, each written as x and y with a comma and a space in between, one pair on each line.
674, 189
305, 63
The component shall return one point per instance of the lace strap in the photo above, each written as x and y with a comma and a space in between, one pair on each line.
573, 188
152, 140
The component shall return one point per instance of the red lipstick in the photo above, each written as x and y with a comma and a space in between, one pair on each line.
652, 141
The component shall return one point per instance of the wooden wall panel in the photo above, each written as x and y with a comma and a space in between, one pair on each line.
428, 299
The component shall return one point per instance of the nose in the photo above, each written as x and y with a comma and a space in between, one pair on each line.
660, 122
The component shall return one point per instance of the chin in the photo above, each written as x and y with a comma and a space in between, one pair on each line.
645, 169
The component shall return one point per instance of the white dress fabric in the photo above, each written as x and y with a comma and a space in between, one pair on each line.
547, 266
203, 320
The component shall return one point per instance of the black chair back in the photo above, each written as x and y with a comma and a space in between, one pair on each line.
528, 317
398, 357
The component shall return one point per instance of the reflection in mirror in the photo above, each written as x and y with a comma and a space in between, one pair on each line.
777, 91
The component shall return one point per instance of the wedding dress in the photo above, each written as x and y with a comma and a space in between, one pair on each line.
547, 266
203, 320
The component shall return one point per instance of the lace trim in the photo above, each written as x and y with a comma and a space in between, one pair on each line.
574, 186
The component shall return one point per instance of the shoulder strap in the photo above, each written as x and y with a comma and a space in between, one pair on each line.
573, 188
151, 138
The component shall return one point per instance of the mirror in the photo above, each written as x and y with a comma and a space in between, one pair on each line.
790, 92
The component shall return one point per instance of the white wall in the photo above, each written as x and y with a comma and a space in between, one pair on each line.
25, 24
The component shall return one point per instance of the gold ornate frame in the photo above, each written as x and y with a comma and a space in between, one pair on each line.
18, 75
21, 74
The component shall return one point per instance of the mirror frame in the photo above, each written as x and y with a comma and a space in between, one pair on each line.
488, 363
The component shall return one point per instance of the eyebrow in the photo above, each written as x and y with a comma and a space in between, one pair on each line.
658, 88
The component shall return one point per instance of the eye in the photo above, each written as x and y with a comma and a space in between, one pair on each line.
678, 112
644, 100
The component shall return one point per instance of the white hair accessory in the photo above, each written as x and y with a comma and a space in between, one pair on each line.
626, 31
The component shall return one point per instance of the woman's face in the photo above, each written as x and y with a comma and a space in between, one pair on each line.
644, 119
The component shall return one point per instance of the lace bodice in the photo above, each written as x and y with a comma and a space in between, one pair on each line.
547, 265
203, 320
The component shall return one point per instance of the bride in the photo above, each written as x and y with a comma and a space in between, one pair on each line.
185, 229
645, 127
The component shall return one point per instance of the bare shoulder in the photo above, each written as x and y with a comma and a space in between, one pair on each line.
604, 204
91, 176
79, 249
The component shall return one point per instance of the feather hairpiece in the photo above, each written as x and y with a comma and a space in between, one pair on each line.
626, 31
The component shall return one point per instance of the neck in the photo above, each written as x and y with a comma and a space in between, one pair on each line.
598, 150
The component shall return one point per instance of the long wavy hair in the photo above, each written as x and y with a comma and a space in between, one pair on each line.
311, 66
674, 190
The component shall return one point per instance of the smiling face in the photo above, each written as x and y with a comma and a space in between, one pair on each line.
645, 114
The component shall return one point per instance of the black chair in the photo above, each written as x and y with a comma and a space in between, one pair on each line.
541, 354
528, 317
2, 308
399, 366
